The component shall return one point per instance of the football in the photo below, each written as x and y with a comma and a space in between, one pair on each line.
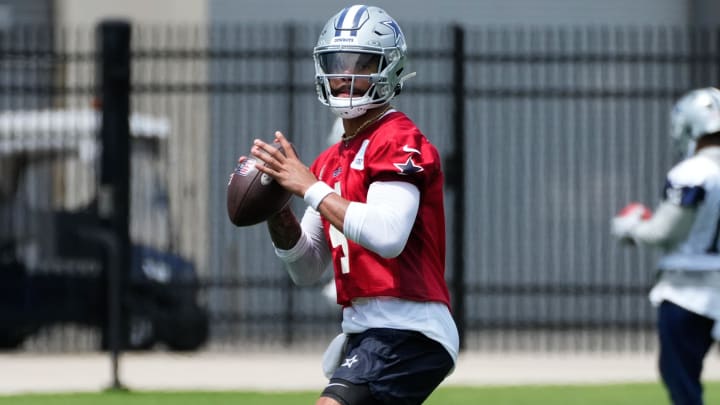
252, 196
636, 208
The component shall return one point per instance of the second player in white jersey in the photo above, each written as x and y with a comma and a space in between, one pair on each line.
694, 186
686, 225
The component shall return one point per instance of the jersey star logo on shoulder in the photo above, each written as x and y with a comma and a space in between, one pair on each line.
409, 167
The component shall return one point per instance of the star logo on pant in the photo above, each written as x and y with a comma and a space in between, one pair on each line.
349, 361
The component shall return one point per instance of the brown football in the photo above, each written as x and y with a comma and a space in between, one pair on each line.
252, 196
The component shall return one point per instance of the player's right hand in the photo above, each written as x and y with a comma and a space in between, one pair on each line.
622, 225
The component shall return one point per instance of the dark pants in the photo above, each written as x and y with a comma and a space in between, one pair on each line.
394, 367
685, 338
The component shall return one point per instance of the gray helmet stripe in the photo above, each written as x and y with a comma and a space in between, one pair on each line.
349, 20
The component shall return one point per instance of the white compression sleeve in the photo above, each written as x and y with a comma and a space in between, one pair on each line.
308, 259
668, 225
384, 222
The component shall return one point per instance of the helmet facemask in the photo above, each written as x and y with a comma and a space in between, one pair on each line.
352, 82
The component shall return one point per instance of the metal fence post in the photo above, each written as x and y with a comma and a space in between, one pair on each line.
289, 287
114, 189
457, 181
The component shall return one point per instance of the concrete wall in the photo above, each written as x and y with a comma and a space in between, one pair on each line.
18, 12
469, 12
84, 12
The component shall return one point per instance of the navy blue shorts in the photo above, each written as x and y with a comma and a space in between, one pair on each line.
392, 366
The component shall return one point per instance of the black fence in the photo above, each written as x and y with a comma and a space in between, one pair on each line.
545, 133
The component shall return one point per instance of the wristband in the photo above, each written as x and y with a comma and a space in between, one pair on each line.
316, 193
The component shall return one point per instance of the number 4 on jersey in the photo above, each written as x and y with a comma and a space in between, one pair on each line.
338, 239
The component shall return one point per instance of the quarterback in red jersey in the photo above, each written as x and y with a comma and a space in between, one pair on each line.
392, 149
375, 211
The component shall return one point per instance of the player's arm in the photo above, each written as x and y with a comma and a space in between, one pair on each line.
284, 228
300, 245
383, 223
329, 204
669, 224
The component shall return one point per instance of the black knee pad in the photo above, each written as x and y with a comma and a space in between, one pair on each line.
348, 393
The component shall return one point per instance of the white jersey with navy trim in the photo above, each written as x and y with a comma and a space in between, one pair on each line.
690, 270
694, 184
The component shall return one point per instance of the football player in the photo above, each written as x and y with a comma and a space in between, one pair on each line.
686, 224
376, 212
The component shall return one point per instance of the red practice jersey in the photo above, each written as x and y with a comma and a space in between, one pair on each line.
392, 149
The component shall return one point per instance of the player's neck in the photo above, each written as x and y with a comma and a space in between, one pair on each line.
355, 126
707, 141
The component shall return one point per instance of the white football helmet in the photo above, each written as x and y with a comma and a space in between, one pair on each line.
360, 42
694, 115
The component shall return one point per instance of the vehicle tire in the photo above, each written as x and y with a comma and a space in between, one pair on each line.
188, 330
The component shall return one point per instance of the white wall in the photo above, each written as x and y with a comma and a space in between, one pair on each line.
89, 12
76, 18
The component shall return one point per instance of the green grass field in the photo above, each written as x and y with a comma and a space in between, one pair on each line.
630, 394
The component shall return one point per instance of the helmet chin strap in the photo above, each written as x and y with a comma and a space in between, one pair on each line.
349, 113
407, 76
401, 81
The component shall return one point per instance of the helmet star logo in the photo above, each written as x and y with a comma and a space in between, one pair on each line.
409, 167
395, 27
350, 361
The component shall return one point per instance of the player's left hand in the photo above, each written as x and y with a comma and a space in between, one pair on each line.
288, 170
